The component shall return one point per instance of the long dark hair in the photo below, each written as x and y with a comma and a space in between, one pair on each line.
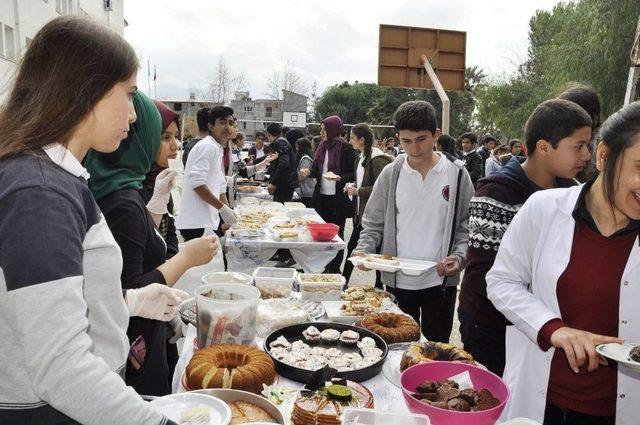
448, 144
618, 133
363, 130
69, 66
303, 147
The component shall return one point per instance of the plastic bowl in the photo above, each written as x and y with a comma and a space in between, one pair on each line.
227, 277
435, 371
323, 232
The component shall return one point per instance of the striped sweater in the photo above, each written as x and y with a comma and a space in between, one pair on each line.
63, 345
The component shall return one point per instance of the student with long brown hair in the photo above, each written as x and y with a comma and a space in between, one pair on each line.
62, 313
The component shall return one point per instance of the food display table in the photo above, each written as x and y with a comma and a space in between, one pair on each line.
245, 254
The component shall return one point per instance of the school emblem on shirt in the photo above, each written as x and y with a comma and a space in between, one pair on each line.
445, 193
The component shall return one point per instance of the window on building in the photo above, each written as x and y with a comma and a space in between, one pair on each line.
244, 125
269, 112
10, 42
177, 106
248, 108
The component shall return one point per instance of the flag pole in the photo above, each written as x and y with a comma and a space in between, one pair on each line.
155, 83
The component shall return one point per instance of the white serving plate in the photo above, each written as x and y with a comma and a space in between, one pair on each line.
335, 314
407, 266
173, 405
619, 353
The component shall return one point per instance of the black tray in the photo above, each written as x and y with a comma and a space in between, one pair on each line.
294, 333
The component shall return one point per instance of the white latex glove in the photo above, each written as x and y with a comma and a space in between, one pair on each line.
165, 181
155, 301
228, 215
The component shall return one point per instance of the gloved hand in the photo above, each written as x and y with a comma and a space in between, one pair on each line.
155, 301
228, 215
165, 181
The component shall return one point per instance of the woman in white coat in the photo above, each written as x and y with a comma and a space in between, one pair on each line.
567, 276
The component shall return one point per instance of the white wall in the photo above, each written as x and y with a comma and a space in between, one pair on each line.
30, 15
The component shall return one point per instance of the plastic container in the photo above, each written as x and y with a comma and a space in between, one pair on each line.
229, 317
435, 371
227, 277
323, 232
320, 287
274, 282
355, 416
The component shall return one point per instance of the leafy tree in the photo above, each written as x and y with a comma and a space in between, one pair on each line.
587, 42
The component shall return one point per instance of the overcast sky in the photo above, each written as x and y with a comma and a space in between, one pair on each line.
327, 41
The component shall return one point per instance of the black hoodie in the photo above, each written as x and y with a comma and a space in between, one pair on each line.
496, 201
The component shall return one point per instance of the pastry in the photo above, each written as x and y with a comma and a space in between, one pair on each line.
446, 395
311, 334
325, 407
429, 351
243, 412
392, 327
330, 336
349, 337
241, 367
634, 354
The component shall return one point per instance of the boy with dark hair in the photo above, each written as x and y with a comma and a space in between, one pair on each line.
418, 209
587, 98
556, 134
471, 159
488, 144
202, 118
204, 199
283, 171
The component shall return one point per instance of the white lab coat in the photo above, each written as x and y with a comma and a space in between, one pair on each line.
534, 252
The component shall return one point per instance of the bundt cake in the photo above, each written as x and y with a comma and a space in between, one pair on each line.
391, 327
429, 351
230, 366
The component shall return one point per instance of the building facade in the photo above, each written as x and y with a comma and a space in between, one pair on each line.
256, 114
20, 20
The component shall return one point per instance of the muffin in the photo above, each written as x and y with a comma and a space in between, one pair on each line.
349, 337
330, 336
311, 335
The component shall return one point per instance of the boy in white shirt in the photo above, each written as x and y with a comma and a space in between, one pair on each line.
204, 199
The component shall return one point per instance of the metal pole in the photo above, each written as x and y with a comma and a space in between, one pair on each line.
446, 104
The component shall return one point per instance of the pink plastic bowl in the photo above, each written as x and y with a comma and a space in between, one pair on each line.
435, 371
323, 232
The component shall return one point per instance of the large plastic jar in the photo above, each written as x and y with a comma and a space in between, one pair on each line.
226, 313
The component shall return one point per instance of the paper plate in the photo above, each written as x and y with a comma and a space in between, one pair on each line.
619, 353
174, 405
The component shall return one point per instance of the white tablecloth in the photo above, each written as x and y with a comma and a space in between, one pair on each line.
245, 255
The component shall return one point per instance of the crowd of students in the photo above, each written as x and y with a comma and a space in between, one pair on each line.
89, 245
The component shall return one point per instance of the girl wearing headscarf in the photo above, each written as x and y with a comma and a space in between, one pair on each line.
333, 167
156, 188
115, 181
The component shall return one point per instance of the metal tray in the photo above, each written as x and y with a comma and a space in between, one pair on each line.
294, 333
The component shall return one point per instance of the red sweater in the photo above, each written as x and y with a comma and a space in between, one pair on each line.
588, 293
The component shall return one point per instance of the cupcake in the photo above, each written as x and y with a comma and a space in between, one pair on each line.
367, 342
280, 342
372, 353
349, 337
330, 336
311, 334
